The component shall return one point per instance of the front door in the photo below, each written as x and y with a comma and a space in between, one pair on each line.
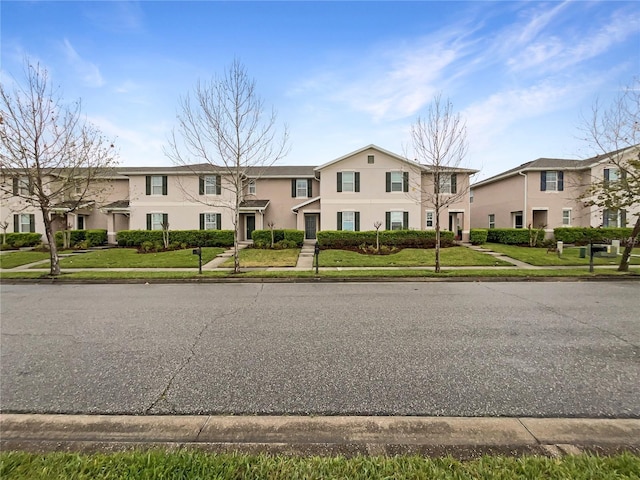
310, 226
251, 225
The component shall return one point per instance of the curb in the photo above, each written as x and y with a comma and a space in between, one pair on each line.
463, 437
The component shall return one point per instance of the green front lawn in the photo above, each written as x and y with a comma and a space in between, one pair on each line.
17, 258
263, 257
130, 258
540, 256
409, 257
193, 464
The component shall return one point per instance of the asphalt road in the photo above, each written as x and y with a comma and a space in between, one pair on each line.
458, 349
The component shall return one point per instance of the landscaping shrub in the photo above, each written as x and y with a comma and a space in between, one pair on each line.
262, 238
510, 236
188, 238
585, 235
19, 240
83, 238
478, 236
389, 238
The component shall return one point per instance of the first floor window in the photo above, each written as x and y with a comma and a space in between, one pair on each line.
492, 220
397, 220
429, 220
349, 221
24, 223
80, 222
566, 217
155, 220
210, 221
614, 218
518, 220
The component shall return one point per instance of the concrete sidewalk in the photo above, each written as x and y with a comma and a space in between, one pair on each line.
345, 435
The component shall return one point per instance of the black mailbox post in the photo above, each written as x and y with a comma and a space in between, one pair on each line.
316, 253
595, 249
198, 251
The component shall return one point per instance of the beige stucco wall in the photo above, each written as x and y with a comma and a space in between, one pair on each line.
278, 192
182, 204
457, 204
594, 214
372, 201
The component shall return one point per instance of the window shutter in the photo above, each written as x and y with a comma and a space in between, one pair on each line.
357, 181
293, 188
32, 223
339, 184
201, 185
148, 220
218, 221
16, 223
454, 183
606, 176
560, 181
387, 218
405, 220
164, 185
148, 180
623, 174
357, 221
405, 181
309, 188
15, 186
623, 219
202, 221
543, 181
388, 178
165, 219
339, 221
218, 184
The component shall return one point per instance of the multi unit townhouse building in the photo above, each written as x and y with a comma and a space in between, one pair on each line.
352, 192
549, 193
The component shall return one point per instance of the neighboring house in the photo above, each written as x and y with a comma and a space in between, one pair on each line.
373, 185
67, 213
352, 192
546, 193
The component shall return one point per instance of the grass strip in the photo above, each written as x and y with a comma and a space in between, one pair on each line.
257, 257
542, 257
17, 258
157, 464
130, 258
335, 274
409, 257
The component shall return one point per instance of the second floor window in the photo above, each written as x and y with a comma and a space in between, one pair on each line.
156, 184
397, 182
448, 183
612, 175
251, 187
22, 186
551, 181
348, 182
301, 187
210, 185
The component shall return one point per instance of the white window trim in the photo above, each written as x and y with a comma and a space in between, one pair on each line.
23, 185
353, 220
445, 183
210, 187
397, 213
154, 186
302, 186
400, 182
215, 226
433, 219
555, 182
25, 227
251, 187
153, 215
492, 223
353, 181
569, 211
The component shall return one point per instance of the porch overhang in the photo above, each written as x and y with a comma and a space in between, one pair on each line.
119, 206
249, 206
66, 207
295, 208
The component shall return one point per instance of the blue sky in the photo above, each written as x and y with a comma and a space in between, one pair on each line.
341, 75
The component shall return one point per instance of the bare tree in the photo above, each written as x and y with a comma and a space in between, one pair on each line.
224, 125
439, 142
613, 131
377, 224
47, 147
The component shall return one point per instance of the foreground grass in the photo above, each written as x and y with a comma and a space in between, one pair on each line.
336, 274
409, 257
259, 257
540, 257
130, 258
17, 258
192, 465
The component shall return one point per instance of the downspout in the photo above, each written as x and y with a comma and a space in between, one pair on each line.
524, 210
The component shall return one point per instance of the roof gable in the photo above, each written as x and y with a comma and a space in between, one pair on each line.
370, 147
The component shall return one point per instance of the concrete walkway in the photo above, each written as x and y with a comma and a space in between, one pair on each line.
305, 259
320, 435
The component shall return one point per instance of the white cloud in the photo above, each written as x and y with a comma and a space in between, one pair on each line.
87, 71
